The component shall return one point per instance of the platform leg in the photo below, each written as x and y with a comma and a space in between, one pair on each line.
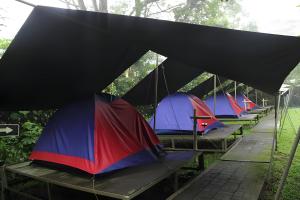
49, 191
3, 182
172, 143
175, 181
225, 144
201, 162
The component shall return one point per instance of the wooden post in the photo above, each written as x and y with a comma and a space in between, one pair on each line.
49, 191
195, 131
3, 182
287, 168
215, 93
201, 162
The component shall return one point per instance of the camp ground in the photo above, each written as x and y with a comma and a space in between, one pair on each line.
111, 106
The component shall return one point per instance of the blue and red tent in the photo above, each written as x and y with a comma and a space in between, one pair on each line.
226, 106
174, 112
245, 103
97, 135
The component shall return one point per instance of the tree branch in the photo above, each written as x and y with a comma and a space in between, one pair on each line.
166, 10
95, 5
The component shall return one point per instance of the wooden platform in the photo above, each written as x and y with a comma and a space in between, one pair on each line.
252, 118
241, 173
259, 111
216, 135
122, 184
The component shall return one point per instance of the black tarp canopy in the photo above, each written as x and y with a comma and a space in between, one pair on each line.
59, 55
172, 76
206, 86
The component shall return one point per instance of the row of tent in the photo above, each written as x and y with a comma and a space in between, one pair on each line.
105, 133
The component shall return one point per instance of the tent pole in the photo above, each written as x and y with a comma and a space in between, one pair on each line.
287, 168
26, 3
235, 90
273, 141
155, 92
215, 93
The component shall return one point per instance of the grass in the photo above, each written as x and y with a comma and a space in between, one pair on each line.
286, 138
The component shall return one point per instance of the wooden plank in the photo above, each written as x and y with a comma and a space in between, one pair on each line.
211, 138
216, 134
123, 184
243, 118
226, 180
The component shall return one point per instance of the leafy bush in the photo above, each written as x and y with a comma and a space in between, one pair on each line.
17, 149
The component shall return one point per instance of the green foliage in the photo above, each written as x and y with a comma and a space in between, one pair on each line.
210, 12
195, 82
4, 43
133, 75
285, 141
294, 75
17, 149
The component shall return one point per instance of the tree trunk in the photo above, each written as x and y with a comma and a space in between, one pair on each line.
138, 8
103, 6
81, 4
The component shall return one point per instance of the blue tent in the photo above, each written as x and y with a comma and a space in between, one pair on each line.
226, 106
174, 112
96, 135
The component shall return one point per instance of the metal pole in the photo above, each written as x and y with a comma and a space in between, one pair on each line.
155, 92
195, 131
26, 3
285, 110
256, 96
215, 93
273, 142
235, 90
287, 168
276, 118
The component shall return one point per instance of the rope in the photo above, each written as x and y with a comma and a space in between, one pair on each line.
221, 85
168, 92
165, 80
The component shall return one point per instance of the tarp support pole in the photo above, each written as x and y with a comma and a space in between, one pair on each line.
276, 119
274, 140
155, 92
287, 168
26, 3
256, 96
195, 131
235, 90
215, 93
